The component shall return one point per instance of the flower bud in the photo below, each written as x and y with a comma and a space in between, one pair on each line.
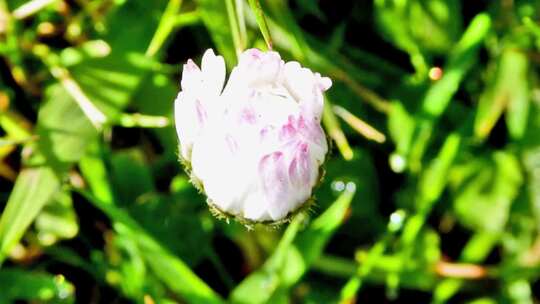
256, 145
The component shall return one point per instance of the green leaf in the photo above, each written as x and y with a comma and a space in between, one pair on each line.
32, 286
57, 220
509, 91
174, 273
488, 186
400, 127
439, 95
215, 19
58, 145
51, 157
131, 176
261, 21
109, 82
292, 259
419, 27
33, 189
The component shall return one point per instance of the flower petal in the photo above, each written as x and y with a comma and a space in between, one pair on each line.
190, 117
213, 72
191, 77
275, 184
258, 67
306, 87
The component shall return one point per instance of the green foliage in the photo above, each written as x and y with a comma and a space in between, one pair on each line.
443, 207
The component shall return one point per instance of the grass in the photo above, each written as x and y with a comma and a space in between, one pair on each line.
431, 193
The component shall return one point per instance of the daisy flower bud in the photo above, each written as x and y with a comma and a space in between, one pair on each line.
255, 145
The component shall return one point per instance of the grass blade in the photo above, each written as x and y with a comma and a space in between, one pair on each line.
261, 21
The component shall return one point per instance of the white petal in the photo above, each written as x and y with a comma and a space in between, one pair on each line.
213, 72
258, 67
255, 207
189, 116
191, 77
304, 86
275, 184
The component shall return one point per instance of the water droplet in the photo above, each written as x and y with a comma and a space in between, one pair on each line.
396, 220
397, 162
338, 186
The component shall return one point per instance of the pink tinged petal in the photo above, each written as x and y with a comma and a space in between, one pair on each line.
324, 82
191, 77
187, 125
258, 67
300, 169
231, 144
288, 131
190, 117
311, 130
275, 184
201, 113
250, 57
213, 72
248, 115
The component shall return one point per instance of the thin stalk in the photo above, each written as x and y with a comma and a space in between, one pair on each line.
165, 27
241, 22
30, 8
261, 21
362, 127
233, 24
51, 60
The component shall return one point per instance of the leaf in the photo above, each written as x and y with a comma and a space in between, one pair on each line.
58, 145
215, 19
33, 188
261, 21
109, 82
487, 185
439, 95
509, 92
400, 126
32, 286
130, 176
171, 270
435, 24
417, 25
51, 156
292, 259
57, 220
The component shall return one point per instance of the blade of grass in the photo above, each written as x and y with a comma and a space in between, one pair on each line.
359, 125
375, 253
52, 61
21, 285
137, 120
167, 267
294, 254
30, 8
335, 132
261, 21
439, 95
33, 188
233, 25
165, 27
241, 22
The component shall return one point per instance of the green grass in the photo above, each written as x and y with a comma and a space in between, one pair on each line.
431, 192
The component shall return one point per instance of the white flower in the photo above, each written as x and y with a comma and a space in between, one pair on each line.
256, 145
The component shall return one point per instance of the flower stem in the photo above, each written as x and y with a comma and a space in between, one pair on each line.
233, 23
261, 21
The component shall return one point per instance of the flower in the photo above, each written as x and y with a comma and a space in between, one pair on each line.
255, 145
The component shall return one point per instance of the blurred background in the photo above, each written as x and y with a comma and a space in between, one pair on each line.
431, 193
